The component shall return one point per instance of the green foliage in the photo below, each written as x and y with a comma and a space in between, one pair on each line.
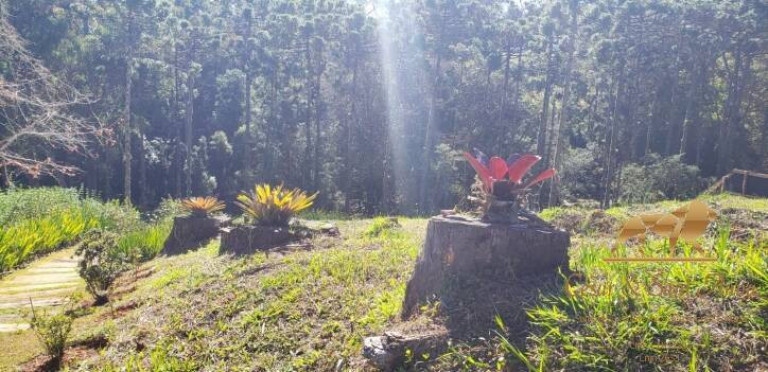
649, 316
273, 206
101, 262
660, 179
53, 332
146, 242
306, 312
321, 215
381, 225
167, 210
590, 85
202, 206
38, 221
581, 174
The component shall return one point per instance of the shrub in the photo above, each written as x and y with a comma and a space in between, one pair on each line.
167, 210
273, 206
581, 174
102, 261
53, 331
380, 225
659, 179
202, 206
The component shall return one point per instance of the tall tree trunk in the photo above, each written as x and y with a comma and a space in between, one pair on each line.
127, 133
316, 164
178, 149
692, 110
504, 94
425, 203
554, 194
248, 74
347, 134
541, 142
607, 195
247, 107
308, 175
188, 134
732, 114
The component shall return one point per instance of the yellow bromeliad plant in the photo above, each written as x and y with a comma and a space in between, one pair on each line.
273, 206
202, 206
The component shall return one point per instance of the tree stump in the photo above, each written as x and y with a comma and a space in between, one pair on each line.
473, 267
191, 232
248, 239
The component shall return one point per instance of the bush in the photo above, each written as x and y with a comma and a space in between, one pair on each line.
660, 179
101, 263
53, 331
581, 174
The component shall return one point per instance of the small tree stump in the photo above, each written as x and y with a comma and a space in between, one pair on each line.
468, 258
248, 239
191, 232
388, 352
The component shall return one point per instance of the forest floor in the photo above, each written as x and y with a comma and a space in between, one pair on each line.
48, 284
309, 306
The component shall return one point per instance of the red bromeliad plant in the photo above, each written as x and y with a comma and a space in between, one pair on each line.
502, 180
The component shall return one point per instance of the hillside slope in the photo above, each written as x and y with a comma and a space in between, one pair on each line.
308, 306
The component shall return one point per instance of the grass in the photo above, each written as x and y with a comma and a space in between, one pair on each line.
38, 221
303, 310
310, 309
647, 316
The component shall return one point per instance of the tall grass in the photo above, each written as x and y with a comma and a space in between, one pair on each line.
38, 221
646, 317
146, 242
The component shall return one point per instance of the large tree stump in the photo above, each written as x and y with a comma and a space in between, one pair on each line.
248, 239
472, 266
191, 232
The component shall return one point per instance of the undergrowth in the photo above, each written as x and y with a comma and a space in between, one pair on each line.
310, 309
40, 220
618, 316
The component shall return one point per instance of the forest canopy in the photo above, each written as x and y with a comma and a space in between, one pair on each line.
371, 103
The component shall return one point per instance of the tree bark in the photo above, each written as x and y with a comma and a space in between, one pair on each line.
127, 133
188, 134
482, 255
554, 194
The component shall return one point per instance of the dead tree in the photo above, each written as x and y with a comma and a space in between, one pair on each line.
35, 113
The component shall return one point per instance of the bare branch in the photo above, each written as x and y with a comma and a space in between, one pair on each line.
35, 112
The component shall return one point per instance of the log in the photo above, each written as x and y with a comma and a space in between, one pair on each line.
190, 232
468, 264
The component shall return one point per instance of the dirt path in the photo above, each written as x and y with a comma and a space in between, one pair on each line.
47, 282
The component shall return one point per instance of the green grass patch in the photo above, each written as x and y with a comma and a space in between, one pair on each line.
38, 221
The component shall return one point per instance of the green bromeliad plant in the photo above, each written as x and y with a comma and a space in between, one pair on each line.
202, 206
273, 205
